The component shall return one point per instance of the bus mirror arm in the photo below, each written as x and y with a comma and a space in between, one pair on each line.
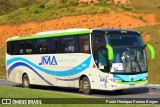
152, 50
110, 52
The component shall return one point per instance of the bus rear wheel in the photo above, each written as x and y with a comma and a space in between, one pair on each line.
86, 86
25, 81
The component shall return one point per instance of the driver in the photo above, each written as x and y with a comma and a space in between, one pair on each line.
124, 57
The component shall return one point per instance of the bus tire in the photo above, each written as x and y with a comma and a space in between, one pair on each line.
25, 81
80, 85
86, 86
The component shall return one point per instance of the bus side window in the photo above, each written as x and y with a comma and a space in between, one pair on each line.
16, 48
10, 48
28, 47
67, 45
40, 46
21, 47
53, 45
100, 52
70, 47
102, 59
84, 44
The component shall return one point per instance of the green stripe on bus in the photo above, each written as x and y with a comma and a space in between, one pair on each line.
136, 82
50, 35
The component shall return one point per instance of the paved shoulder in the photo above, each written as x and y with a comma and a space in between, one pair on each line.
152, 91
7, 83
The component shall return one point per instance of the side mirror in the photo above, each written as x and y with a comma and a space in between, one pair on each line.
110, 52
152, 50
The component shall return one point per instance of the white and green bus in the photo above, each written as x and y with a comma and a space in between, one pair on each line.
101, 59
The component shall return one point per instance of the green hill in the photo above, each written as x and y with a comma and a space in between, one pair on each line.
22, 11
146, 6
8, 6
40, 10
153, 65
19, 11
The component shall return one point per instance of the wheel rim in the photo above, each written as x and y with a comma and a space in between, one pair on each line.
25, 82
85, 85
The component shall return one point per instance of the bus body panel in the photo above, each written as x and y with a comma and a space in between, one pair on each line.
98, 79
38, 73
65, 70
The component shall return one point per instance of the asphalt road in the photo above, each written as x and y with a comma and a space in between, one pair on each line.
151, 91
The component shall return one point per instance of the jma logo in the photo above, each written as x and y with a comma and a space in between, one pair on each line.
48, 60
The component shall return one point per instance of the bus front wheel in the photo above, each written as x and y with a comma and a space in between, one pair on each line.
25, 81
86, 86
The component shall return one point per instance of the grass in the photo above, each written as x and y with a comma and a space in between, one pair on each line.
84, 105
102, 3
7, 6
153, 65
17, 11
38, 11
2, 65
16, 92
146, 6
41, 12
125, 8
20, 92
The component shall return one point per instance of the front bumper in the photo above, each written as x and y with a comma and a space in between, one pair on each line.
127, 85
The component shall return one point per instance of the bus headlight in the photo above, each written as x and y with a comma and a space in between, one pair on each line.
115, 80
145, 78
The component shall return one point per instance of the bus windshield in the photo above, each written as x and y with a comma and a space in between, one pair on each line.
129, 54
124, 40
128, 60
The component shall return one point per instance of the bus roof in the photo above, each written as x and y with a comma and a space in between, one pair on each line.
55, 33
114, 31
68, 32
